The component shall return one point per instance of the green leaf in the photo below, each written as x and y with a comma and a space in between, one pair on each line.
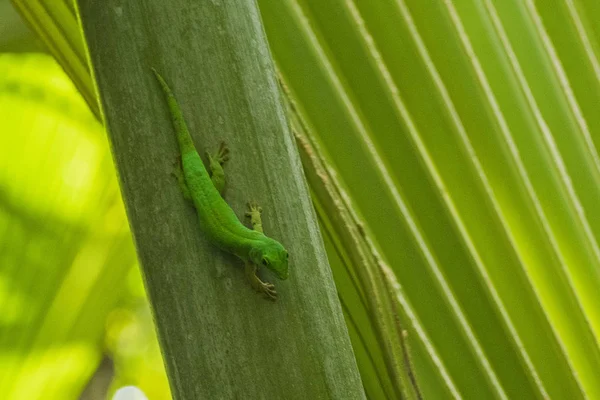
462, 137
467, 192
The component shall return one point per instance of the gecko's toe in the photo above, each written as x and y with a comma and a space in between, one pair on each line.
271, 295
254, 207
269, 291
223, 153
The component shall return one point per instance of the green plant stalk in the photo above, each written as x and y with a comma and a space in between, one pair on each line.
218, 339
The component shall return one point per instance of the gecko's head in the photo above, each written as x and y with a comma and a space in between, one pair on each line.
273, 256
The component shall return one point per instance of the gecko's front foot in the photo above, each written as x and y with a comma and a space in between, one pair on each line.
268, 289
255, 210
254, 215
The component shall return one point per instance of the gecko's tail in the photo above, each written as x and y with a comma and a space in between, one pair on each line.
181, 130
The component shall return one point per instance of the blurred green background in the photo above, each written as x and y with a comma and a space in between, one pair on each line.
74, 313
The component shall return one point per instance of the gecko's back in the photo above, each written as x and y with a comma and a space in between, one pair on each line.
216, 217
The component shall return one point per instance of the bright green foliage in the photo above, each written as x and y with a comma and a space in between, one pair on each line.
66, 250
465, 134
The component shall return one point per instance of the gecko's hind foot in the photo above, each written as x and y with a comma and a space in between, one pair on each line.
221, 156
223, 153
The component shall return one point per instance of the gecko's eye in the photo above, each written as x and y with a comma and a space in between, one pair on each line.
287, 255
265, 262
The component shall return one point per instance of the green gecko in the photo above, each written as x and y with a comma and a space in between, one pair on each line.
217, 219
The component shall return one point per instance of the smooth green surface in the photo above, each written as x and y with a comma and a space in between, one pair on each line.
219, 339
